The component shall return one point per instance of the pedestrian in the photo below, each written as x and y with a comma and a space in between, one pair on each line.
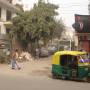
15, 57
37, 53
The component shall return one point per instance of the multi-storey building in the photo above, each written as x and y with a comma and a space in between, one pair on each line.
7, 11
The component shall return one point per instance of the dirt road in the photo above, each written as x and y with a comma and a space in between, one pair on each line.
41, 67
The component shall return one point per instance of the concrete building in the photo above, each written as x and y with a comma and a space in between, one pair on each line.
7, 11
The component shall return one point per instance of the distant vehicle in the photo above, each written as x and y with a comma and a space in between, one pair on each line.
44, 52
52, 49
64, 45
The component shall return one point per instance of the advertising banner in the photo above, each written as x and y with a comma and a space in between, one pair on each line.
82, 23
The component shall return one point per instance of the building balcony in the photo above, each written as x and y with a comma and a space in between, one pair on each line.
7, 24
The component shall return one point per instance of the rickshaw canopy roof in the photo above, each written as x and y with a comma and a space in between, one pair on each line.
56, 56
75, 53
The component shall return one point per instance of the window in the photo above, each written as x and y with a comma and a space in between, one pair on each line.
8, 15
7, 30
67, 60
0, 12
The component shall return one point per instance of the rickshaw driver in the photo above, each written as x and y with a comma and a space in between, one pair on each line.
71, 65
81, 60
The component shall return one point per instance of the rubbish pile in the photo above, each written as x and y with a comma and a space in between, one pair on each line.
25, 56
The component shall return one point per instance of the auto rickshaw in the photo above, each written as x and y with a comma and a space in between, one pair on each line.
72, 65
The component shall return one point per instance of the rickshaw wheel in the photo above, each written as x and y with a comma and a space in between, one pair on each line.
85, 79
88, 79
55, 76
63, 77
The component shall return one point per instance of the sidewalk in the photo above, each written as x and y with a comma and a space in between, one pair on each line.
41, 67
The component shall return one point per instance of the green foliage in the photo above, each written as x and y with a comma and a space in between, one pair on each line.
59, 29
37, 24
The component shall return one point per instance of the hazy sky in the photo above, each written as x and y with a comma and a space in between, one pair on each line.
67, 8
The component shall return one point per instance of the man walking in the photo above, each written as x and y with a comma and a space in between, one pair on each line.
15, 57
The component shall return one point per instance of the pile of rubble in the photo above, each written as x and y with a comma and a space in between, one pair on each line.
25, 56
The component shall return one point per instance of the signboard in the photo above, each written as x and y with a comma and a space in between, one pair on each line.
82, 23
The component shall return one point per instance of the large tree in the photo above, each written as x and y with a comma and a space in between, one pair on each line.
37, 24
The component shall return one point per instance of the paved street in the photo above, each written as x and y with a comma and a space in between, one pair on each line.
35, 75
39, 83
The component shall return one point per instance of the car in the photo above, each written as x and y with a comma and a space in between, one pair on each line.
44, 52
52, 49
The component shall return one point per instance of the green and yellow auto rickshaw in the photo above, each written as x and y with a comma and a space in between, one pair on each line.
72, 65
